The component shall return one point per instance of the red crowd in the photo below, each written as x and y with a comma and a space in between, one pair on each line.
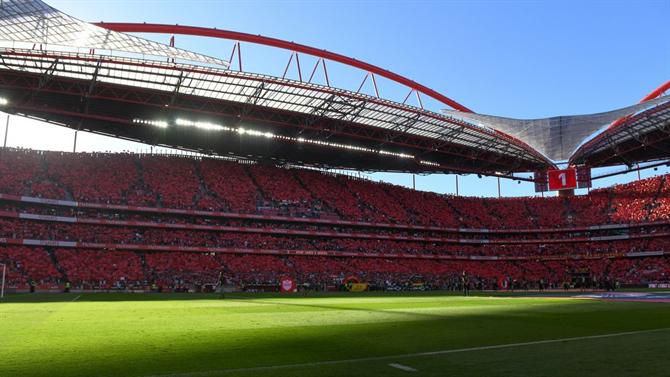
98, 269
217, 185
185, 182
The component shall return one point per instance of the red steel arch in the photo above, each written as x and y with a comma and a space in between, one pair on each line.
296, 47
279, 43
654, 94
657, 92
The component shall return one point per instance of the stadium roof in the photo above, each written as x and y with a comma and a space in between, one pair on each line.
26, 23
97, 78
644, 136
556, 137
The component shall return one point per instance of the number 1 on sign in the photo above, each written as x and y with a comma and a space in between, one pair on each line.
564, 179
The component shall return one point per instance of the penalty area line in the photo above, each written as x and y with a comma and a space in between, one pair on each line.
407, 355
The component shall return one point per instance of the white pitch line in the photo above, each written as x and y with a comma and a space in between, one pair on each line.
75, 299
403, 367
405, 356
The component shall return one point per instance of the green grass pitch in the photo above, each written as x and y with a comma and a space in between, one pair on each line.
331, 335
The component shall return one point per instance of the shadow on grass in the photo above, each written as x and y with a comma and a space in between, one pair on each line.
166, 349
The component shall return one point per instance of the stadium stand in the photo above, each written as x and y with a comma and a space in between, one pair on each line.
132, 221
230, 183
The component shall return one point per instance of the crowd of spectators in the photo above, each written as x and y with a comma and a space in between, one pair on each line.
102, 269
217, 185
18, 169
633, 202
174, 179
517, 245
91, 177
108, 269
230, 182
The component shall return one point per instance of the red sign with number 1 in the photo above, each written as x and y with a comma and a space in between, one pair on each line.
562, 179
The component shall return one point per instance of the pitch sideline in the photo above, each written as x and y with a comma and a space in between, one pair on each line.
404, 356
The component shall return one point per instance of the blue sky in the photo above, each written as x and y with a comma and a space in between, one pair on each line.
523, 59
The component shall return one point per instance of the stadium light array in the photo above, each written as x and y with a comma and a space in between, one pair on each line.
4, 101
180, 122
200, 125
244, 131
401, 155
429, 163
155, 123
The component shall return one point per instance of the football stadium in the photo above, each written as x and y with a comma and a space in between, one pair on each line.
243, 228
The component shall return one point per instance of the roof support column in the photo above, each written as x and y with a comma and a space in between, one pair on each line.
638, 171
74, 145
6, 131
499, 188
